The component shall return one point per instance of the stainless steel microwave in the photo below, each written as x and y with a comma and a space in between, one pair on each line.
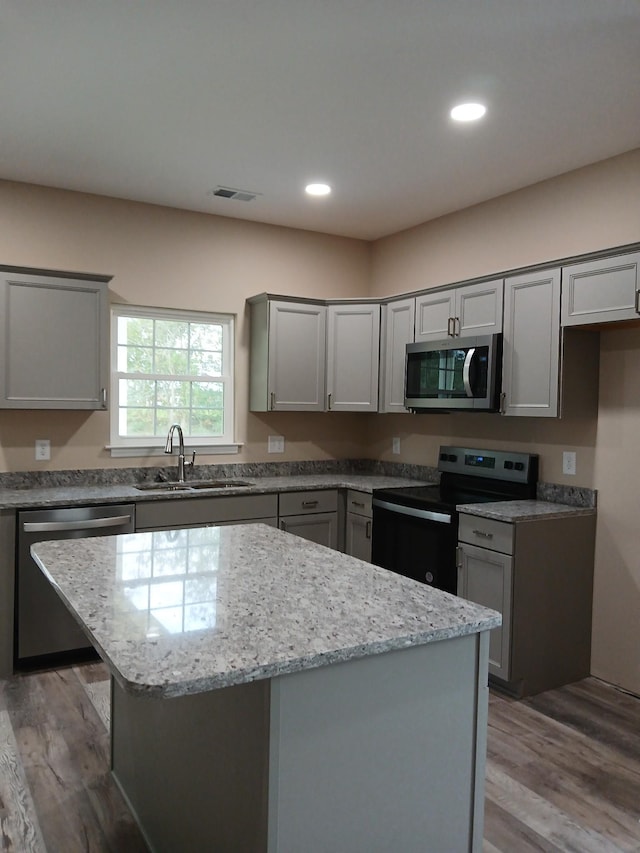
454, 374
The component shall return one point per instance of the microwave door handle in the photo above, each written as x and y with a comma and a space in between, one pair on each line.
466, 371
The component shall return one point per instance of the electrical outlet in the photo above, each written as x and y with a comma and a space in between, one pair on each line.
569, 462
395, 445
275, 444
43, 449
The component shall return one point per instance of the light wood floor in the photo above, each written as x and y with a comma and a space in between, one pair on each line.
563, 770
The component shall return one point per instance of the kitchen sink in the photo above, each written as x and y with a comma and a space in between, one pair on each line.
193, 485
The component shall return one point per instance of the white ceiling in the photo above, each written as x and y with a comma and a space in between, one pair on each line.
162, 100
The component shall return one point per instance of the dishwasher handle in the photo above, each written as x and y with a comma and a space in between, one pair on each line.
87, 524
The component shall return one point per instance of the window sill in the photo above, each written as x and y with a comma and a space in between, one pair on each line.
121, 452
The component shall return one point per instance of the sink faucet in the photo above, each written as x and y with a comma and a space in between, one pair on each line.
168, 448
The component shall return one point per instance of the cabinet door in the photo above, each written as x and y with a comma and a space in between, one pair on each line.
531, 344
601, 291
296, 357
358, 536
396, 332
479, 308
353, 347
485, 577
434, 314
54, 340
321, 527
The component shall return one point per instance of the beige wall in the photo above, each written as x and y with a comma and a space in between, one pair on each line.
172, 258
586, 210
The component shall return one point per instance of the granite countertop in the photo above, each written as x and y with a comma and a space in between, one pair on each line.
77, 495
186, 611
530, 510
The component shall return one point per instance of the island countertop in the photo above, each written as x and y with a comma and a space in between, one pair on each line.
186, 611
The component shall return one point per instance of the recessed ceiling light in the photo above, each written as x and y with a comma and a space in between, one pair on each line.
468, 112
317, 189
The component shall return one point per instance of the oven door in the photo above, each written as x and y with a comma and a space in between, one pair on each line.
416, 543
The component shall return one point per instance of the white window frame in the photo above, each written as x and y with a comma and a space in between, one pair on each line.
147, 446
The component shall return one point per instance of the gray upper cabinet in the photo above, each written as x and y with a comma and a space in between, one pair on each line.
288, 355
601, 291
531, 344
54, 342
353, 350
474, 309
396, 331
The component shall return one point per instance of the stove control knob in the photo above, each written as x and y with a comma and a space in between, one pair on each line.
444, 457
428, 577
519, 466
508, 464
452, 457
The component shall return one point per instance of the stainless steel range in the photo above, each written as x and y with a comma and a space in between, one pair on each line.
415, 528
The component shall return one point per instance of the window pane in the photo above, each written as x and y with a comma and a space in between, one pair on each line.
173, 394
172, 333
135, 331
166, 417
138, 392
135, 359
207, 422
206, 336
207, 395
172, 361
137, 421
204, 363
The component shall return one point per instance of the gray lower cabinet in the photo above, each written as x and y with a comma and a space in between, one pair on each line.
199, 512
358, 525
539, 575
601, 291
313, 515
54, 340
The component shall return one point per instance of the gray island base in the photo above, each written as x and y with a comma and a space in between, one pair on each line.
269, 694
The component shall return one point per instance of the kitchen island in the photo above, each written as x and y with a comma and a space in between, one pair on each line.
269, 694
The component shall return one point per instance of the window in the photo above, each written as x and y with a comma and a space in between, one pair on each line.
171, 367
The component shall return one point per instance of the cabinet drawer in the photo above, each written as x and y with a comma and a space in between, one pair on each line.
359, 502
298, 503
188, 512
486, 533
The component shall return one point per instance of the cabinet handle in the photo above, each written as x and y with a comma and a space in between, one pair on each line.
329, 402
357, 503
456, 327
483, 534
458, 558
503, 403
450, 327
637, 301
103, 397
309, 504
273, 396
367, 530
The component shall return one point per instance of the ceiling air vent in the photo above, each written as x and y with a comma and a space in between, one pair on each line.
231, 192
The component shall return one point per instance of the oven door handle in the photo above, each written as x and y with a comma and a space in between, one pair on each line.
426, 514
466, 371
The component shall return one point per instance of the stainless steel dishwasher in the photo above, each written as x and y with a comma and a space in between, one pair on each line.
44, 627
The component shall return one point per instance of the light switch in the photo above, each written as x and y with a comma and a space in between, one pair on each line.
569, 462
43, 449
275, 444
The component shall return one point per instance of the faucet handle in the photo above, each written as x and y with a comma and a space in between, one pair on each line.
193, 460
